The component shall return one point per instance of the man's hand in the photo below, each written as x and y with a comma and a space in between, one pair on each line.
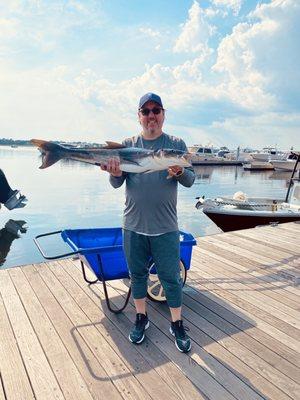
113, 167
175, 171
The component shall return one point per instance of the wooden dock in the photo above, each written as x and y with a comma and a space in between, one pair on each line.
241, 304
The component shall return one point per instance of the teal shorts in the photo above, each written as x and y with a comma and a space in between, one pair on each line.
164, 250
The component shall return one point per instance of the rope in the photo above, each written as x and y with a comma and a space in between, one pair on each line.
240, 204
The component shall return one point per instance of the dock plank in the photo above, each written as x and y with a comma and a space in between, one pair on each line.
116, 369
254, 293
42, 378
282, 380
14, 378
270, 336
71, 382
241, 303
248, 305
136, 364
166, 345
250, 266
253, 275
279, 257
257, 236
157, 359
232, 356
99, 382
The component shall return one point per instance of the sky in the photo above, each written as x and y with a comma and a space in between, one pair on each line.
227, 70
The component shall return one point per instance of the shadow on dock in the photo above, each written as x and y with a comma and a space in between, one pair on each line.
158, 351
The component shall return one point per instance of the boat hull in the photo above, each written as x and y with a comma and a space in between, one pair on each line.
284, 165
231, 222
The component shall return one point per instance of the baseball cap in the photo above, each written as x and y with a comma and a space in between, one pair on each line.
150, 97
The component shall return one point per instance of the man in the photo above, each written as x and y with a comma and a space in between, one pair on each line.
150, 221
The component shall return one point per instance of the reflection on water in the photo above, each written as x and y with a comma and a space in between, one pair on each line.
203, 173
8, 234
71, 194
281, 176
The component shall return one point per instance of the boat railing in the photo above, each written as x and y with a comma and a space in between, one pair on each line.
246, 205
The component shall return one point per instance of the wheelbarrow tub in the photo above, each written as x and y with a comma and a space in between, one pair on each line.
104, 245
101, 249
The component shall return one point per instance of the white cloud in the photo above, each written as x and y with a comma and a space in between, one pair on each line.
42, 104
195, 33
8, 28
150, 32
255, 59
252, 87
42, 23
234, 5
262, 130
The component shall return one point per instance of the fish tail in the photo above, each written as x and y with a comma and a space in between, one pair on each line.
51, 152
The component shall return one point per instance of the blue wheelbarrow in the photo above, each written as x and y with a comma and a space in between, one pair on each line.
101, 250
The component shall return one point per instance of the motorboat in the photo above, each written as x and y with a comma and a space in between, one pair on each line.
257, 166
242, 212
286, 164
242, 155
268, 154
201, 153
205, 155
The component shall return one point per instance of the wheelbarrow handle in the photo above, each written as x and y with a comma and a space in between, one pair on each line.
45, 255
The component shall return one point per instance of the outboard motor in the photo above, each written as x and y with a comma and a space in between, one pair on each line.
9, 197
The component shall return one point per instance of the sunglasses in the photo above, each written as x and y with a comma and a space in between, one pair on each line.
147, 111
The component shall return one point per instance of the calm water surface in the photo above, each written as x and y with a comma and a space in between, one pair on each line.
75, 195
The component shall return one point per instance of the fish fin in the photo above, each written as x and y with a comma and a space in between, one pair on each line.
50, 152
49, 158
45, 145
38, 142
113, 145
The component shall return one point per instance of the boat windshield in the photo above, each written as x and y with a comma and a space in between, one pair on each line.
295, 193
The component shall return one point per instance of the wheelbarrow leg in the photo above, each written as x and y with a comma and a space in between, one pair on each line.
118, 310
84, 275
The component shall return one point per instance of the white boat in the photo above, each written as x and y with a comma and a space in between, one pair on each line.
258, 166
242, 155
287, 164
268, 154
242, 212
205, 155
202, 153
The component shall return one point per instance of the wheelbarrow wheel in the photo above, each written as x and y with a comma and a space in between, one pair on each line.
155, 291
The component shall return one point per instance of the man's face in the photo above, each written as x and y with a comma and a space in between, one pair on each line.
152, 123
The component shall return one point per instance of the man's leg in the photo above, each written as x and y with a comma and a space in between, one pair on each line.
166, 255
136, 248
140, 305
175, 313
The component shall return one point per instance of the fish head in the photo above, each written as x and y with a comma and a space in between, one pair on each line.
171, 157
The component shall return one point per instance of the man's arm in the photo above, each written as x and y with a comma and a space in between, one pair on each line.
116, 177
185, 176
116, 181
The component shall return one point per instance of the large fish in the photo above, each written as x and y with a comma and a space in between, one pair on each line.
132, 159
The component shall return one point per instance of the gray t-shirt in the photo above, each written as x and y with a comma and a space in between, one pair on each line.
151, 198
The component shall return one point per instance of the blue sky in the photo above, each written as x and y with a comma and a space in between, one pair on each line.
227, 70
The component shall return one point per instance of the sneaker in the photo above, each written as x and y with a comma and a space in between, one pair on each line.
182, 340
137, 334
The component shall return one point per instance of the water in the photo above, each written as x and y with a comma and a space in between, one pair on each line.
75, 195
